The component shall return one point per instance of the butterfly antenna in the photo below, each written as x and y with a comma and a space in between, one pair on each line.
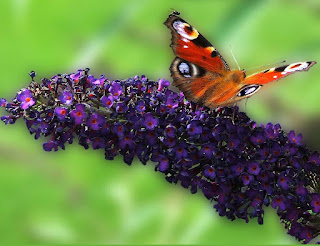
245, 105
234, 57
268, 65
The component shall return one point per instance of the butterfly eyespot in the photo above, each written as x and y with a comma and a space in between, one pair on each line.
184, 69
185, 30
187, 69
248, 90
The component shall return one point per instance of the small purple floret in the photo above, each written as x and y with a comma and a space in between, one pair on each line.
95, 121
26, 99
295, 139
78, 114
194, 128
3, 102
116, 89
280, 202
107, 101
150, 122
66, 97
61, 113
163, 84
315, 203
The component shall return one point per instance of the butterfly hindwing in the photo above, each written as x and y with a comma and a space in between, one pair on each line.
188, 44
276, 73
202, 86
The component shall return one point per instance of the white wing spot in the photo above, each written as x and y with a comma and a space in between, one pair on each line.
185, 46
296, 67
275, 76
185, 40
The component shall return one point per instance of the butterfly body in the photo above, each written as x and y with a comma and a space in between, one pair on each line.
202, 74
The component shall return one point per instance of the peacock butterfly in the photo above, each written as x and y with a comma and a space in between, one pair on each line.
204, 77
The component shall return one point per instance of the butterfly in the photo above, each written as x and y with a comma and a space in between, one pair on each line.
204, 77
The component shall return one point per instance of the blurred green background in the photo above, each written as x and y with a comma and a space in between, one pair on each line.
75, 196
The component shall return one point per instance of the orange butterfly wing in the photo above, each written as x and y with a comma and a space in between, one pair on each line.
276, 73
189, 44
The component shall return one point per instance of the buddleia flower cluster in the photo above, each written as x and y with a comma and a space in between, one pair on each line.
222, 153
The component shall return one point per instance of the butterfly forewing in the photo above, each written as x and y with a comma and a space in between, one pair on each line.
276, 73
189, 44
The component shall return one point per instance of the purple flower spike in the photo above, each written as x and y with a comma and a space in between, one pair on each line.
238, 165
78, 114
66, 97
150, 122
26, 99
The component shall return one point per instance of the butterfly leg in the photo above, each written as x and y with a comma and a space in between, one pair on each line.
235, 108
